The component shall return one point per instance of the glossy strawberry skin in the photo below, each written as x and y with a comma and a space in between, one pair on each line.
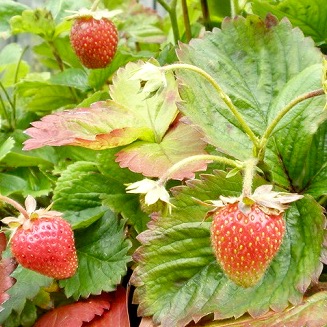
94, 41
47, 247
245, 244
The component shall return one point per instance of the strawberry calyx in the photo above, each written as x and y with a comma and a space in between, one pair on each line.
27, 214
96, 14
269, 201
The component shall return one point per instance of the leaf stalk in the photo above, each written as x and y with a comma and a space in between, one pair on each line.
265, 137
246, 128
196, 158
171, 10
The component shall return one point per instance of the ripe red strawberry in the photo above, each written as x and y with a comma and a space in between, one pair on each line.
46, 246
246, 243
94, 41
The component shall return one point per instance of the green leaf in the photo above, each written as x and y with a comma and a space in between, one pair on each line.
84, 187
6, 147
178, 278
142, 24
99, 77
306, 14
72, 77
19, 158
10, 57
293, 141
42, 96
78, 191
26, 318
102, 258
154, 159
59, 8
8, 9
23, 290
11, 184
128, 205
156, 111
38, 21
253, 61
94, 97
312, 312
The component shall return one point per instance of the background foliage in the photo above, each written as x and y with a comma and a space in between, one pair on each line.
165, 262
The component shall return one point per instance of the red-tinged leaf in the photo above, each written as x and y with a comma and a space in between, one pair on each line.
7, 266
153, 159
117, 315
75, 314
103, 125
147, 322
3, 243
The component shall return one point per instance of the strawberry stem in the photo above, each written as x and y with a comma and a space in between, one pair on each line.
223, 96
16, 205
95, 5
249, 170
200, 157
265, 137
171, 10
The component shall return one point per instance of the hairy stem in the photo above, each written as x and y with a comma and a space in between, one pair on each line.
246, 128
249, 170
196, 158
15, 204
265, 137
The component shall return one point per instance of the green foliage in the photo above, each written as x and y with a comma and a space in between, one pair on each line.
102, 258
9, 9
305, 14
90, 133
178, 279
22, 291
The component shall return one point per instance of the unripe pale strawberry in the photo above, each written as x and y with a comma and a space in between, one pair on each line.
246, 243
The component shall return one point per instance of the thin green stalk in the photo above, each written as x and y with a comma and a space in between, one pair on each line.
15, 204
10, 103
187, 25
171, 10
164, 5
15, 81
265, 137
61, 67
95, 5
5, 112
223, 96
196, 158
235, 8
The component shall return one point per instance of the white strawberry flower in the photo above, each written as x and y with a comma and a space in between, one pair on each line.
153, 190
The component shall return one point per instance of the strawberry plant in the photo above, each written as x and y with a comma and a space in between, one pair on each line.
186, 173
